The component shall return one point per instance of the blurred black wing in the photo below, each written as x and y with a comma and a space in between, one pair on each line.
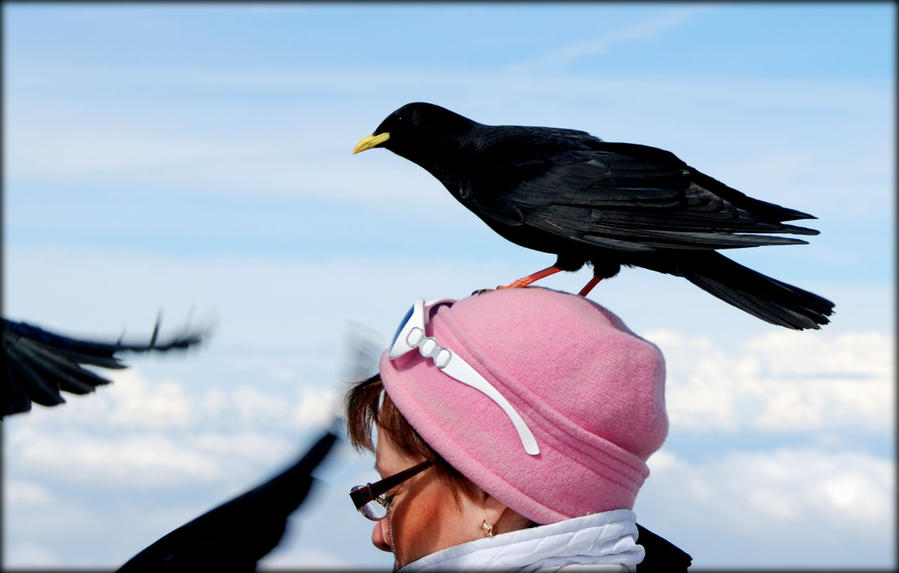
237, 534
38, 364
623, 196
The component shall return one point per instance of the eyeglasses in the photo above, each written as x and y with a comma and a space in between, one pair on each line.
371, 498
411, 335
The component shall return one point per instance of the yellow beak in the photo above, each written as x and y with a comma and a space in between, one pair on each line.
370, 141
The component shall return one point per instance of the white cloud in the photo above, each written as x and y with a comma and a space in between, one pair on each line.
29, 553
780, 381
316, 406
644, 29
251, 404
133, 461
24, 492
138, 462
240, 449
858, 354
768, 501
213, 402
138, 402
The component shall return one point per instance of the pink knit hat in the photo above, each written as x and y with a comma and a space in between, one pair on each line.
590, 390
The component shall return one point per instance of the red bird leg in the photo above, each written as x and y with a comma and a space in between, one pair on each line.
589, 286
525, 281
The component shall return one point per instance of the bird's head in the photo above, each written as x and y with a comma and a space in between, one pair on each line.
415, 129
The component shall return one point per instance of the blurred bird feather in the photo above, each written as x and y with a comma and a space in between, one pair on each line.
235, 535
38, 365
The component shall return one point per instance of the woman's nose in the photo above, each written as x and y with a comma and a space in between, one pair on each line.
380, 535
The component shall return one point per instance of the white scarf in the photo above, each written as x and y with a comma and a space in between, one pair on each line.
601, 542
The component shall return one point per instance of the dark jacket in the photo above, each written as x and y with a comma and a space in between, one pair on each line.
661, 554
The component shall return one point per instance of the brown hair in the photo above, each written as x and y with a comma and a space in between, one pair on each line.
364, 411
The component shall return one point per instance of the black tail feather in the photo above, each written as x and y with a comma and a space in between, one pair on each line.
769, 299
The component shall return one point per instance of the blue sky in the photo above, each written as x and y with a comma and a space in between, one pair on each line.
197, 159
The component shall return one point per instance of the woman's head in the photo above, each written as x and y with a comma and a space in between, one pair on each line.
589, 391
437, 507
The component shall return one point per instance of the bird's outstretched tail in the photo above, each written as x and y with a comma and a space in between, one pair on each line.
769, 299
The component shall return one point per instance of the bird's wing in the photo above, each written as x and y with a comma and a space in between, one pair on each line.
633, 197
238, 533
38, 364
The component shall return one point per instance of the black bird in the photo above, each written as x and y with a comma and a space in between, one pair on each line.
565, 192
235, 535
38, 364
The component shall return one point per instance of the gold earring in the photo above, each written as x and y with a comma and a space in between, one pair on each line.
486, 528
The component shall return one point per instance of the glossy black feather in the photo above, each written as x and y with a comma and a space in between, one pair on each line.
235, 535
609, 204
38, 364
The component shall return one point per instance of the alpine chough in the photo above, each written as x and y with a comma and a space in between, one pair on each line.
235, 535
565, 192
38, 365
